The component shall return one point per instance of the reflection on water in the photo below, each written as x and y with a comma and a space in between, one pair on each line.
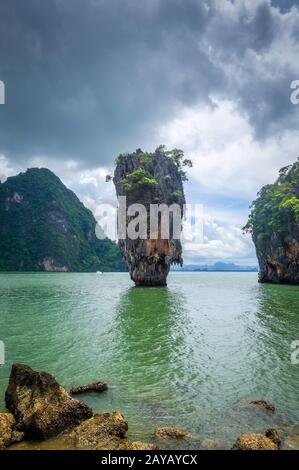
185, 355
277, 319
150, 353
152, 327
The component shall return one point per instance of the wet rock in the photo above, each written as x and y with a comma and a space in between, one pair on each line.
254, 441
263, 404
273, 434
290, 439
136, 445
8, 432
102, 431
168, 432
93, 387
210, 443
42, 407
291, 443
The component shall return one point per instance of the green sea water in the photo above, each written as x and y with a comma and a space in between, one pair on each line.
188, 355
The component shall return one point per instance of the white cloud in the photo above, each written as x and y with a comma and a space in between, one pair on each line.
220, 242
7, 168
89, 185
228, 164
227, 159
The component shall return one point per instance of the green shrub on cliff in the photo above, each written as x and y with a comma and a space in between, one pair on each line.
137, 179
134, 180
177, 157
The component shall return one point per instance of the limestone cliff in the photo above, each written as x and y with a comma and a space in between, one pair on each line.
45, 227
274, 225
151, 178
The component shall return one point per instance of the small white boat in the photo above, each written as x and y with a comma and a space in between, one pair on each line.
99, 272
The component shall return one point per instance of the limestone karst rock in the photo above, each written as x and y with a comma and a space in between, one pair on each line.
102, 431
171, 432
92, 387
274, 225
41, 407
8, 432
254, 441
148, 179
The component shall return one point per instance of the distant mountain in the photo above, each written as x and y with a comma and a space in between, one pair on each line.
219, 266
45, 227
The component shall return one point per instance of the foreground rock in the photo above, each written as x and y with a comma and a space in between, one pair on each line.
151, 179
291, 443
263, 404
94, 387
41, 407
136, 445
8, 432
106, 431
274, 435
254, 441
210, 443
102, 431
290, 437
169, 432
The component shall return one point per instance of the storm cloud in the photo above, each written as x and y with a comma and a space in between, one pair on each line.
88, 80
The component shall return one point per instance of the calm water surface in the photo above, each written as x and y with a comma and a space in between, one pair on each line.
186, 355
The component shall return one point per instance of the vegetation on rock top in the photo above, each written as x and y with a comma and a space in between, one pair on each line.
141, 177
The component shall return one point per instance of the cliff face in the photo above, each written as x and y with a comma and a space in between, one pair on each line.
150, 179
274, 224
44, 227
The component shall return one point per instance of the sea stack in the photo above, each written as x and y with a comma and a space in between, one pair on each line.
274, 225
151, 179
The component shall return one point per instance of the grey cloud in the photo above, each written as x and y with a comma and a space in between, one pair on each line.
247, 28
285, 5
87, 80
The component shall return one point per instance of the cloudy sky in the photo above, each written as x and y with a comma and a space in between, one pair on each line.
88, 80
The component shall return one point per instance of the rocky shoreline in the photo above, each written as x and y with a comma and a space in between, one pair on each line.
39, 408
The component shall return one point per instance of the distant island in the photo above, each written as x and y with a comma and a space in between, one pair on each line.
219, 266
45, 227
